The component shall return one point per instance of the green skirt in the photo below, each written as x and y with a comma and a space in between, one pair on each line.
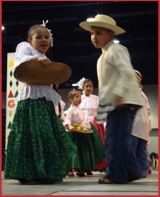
38, 145
90, 150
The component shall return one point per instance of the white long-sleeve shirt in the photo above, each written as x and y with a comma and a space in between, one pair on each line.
116, 77
25, 52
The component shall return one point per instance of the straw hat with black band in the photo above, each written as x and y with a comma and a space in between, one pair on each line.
104, 21
32, 72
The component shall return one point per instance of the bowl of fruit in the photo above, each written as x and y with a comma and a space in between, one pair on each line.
81, 129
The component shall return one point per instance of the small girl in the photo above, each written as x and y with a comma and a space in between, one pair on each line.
89, 105
90, 149
39, 148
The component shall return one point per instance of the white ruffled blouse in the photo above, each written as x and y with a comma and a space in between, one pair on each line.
25, 52
75, 115
89, 105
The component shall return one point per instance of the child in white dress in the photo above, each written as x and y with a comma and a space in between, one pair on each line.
89, 105
90, 149
39, 149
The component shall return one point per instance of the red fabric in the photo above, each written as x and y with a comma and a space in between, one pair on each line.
100, 127
102, 165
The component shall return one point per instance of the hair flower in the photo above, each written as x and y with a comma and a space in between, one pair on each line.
80, 83
49, 30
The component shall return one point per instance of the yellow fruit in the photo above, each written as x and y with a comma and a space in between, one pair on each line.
78, 128
85, 129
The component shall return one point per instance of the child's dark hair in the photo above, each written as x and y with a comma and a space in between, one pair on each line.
85, 81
